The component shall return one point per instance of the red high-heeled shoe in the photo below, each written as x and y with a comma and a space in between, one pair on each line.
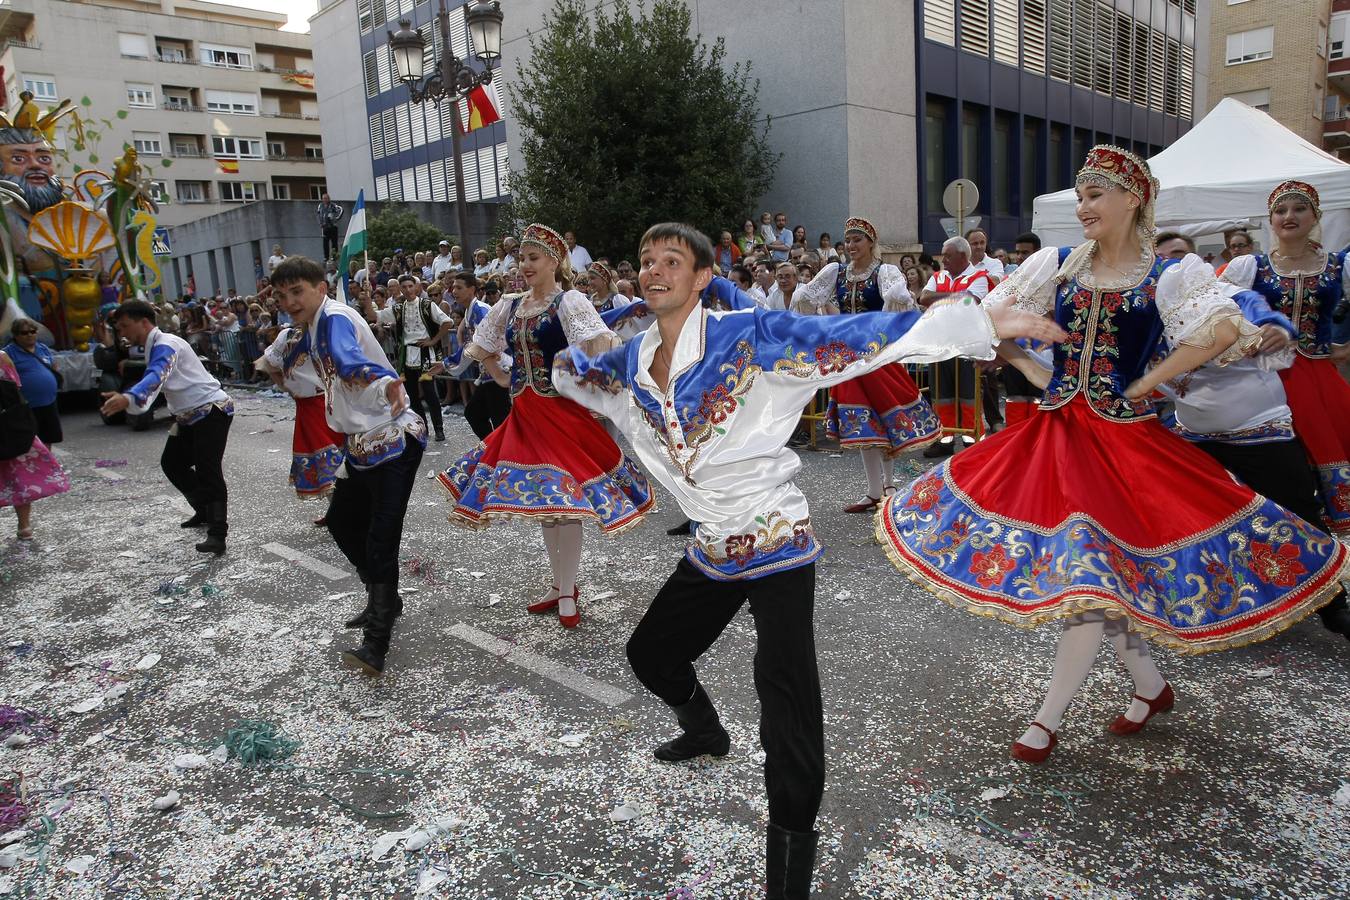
1035, 755
543, 606
574, 619
1159, 704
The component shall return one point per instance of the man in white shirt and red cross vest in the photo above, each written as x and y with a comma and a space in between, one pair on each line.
951, 383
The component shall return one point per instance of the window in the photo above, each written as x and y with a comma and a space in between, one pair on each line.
177, 101
1004, 125
1321, 40
370, 73
276, 149
313, 151
1033, 36
1255, 99
1319, 101
159, 190
146, 143
975, 26
141, 95
42, 87
363, 18
935, 152
232, 102
173, 53
971, 117
1061, 31
316, 191
1248, 46
281, 191
239, 191
1030, 182
191, 192
1059, 161
236, 147
1005, 31
136, 46
226, 57
1340, 29
939, 21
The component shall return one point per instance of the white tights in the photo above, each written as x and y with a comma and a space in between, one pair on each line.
878, 470
1074, 658
562, 541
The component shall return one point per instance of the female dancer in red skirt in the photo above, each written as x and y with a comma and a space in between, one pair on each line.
882, 413
550, 461
1305, 282
1093, 513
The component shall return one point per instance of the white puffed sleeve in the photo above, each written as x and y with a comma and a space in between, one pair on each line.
1240, 273
894, 290
1192, 306
580, 321
274, 357
489, 338
820, 292
1031, 288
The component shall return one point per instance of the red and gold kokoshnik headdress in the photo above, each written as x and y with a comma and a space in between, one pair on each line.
603, 271
1295, 189
859, 225
545, 239
1121, 168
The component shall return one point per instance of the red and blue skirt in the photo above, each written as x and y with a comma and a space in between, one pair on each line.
1320, 401
549, 461
1069, 512
883, 410
316, 449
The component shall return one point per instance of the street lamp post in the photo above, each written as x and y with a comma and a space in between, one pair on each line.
450, 78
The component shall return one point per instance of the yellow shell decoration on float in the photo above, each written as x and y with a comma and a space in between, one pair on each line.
71, 230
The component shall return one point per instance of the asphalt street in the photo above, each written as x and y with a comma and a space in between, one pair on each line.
501, 756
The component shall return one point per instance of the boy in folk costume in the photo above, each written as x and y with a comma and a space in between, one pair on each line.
708, 400
419, 327
385, 440
202, 411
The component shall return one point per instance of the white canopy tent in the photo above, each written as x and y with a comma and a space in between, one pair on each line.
1218, 175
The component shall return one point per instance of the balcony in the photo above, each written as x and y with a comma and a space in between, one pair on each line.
281, 157
1338, 74
1336, 131
182, 107
189, 153
20, 45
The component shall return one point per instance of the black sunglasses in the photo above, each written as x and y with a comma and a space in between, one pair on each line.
25, 331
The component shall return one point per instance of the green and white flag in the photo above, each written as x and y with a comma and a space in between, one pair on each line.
354, 245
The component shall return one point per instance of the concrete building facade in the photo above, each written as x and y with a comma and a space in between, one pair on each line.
218, 101
875, 104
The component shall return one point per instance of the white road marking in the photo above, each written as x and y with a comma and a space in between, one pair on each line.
110, 474
305, 561
598, 691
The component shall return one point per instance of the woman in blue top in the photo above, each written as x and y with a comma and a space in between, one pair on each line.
35, 363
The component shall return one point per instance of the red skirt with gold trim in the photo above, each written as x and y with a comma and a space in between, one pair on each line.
882, 409
317, 451
1320, 401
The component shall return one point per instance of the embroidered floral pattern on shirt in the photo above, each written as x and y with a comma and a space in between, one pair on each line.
1307, 300
776, 533
833, 357
718, 403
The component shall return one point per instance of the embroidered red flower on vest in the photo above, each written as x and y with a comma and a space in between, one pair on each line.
1279, 566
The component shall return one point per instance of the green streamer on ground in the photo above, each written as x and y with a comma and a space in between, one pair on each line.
255, 742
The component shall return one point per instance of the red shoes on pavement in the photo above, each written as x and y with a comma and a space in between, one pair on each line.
1035, 755
863, 506
550, 603
1159, 704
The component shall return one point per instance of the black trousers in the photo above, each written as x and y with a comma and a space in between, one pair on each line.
48, 424
330, 240
365, 516
1277, 470
488, 407
689, 613
420, 391
192, 462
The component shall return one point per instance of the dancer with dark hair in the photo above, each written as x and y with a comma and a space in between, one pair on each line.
708, 399
366, 402
202, 412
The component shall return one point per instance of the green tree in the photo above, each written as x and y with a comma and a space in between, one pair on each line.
397, 226
627, 120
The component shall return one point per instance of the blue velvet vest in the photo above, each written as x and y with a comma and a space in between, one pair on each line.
533, 342
857, 296
1306, 300
1113, 334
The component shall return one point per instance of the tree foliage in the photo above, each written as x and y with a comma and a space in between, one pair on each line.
396, 226
627, 120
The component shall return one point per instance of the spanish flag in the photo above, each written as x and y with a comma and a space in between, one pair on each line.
228, 166
482, 111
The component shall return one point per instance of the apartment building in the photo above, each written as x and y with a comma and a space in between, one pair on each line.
875, 105
216, 99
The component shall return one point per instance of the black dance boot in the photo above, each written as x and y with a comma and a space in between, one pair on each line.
359, 620
369, 657
1336, 615
216, 530
789, 862
199, 518
703, 731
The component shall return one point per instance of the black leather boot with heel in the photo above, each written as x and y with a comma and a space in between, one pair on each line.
703, 731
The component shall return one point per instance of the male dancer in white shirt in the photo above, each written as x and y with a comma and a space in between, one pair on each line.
385, 442
202, 411
708, 400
